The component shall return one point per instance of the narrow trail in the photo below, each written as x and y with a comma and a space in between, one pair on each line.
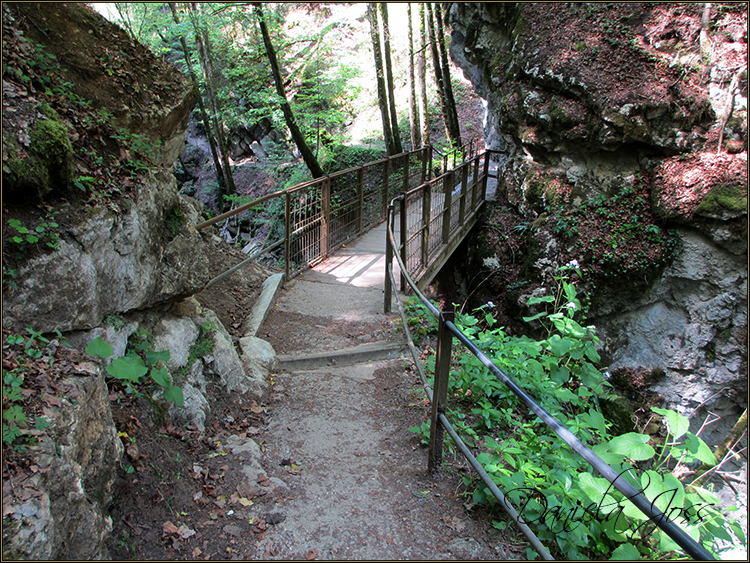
338, 436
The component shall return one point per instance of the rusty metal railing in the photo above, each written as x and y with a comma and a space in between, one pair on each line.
436, 216
321, 215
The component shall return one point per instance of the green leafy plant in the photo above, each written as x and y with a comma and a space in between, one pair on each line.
420, 321
15, 419
28, 237
140, 360
573, 511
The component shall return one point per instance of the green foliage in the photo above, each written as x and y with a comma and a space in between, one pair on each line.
618, 236
139, 360
15, 420
28, 237
420, 321
575, 512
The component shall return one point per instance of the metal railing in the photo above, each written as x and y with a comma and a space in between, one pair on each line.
436, 216
447, 330
321, 215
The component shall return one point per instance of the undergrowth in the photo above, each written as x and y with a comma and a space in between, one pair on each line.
576, 513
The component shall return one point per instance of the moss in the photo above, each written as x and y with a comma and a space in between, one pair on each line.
729, 198
48, 166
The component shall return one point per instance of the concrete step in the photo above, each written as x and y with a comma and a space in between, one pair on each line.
346, 356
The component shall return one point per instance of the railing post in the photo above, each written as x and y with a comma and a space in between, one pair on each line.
406, 173
402, 220
475, 184
447, 204
440, 390
484, 175
325, 218
429, 162
388, 261
386, 178
423, 157
287, 235
360, 198
426, 212
462, 201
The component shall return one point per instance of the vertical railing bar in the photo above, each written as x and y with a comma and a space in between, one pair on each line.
360, 198
388, 287
462, 201
287, 237
474, 184
325, 218
447, 203
426, 216
440, 390
386, 179
404, 238
485, 172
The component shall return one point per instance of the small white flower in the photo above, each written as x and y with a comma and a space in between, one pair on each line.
490, 304
571, 305
607, 375
573, 264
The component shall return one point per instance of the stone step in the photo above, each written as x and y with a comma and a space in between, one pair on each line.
346, 356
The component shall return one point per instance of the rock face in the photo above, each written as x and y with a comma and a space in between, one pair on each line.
114, 264
120, 269
68, 518
585, 99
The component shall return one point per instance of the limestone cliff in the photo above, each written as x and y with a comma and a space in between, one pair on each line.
622, 130
93, 228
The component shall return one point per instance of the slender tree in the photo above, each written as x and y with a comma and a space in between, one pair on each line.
297, 136
450, 100
201, 105
389, 77
372, 16
422, 77
416, 136
439, 77
206, 60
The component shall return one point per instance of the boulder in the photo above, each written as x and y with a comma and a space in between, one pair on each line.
115, 264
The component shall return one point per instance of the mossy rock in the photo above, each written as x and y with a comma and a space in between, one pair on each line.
48, 165
724, 200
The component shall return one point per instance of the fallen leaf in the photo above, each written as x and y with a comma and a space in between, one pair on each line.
196, 552
245, 502
312, 554
197, 496
168, 528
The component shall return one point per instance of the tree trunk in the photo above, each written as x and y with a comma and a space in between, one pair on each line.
416, 137
297, 136
201, 39
437, 67
422, 78
372, 16
450, 101
391, 91
201, 105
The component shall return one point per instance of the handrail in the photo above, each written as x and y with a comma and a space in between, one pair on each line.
691, 547
300, 186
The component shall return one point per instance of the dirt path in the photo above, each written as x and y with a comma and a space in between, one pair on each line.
338, 435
